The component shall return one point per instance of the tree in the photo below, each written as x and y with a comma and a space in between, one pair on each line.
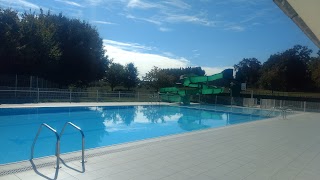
115, 75
39, 49
287, 71
83, 58
66, 51
248, 71
157, 78
9, 40
314, 69
131, 76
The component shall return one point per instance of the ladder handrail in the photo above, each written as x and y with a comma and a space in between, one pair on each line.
57, 143
82, 134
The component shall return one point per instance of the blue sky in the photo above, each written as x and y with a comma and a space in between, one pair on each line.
213, 34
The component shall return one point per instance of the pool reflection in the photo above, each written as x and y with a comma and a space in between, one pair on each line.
102, 126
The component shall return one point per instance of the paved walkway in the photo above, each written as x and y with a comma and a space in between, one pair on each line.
270, 149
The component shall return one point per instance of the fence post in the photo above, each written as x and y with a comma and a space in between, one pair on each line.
138, 96
305, 105
70, 95
97, 95
38, 95
15, 92
119, 95
215, 103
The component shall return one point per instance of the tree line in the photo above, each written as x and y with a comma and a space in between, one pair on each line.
62, 50
68, 52
291, 70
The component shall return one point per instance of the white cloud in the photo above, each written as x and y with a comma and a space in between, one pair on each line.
236, 28
214, 70
70, 3
143, 61
124, 53
19, 4
156, 22
142, 5
134, 47
94, 2
104, 22
178, 4
163, 29
183, 18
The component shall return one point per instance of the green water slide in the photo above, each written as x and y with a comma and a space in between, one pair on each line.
194, 85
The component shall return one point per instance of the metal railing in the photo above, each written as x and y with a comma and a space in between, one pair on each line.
38, 95
57, 143
82, 134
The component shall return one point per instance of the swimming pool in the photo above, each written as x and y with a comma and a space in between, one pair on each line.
102, 126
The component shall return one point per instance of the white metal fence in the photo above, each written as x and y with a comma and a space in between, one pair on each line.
38, 95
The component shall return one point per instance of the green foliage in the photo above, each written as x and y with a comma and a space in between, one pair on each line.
9, 40
157, 78
314, 68
66, 51
248, 70
115, 75
287, 71
131, 79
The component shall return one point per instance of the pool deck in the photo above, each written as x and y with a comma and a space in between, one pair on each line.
270, 149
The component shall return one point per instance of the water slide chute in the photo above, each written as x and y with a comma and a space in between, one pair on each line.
194, 85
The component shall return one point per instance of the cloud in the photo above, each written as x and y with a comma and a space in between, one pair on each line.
70, 3
236, 28
104, 22
178, 4
142, 5
163, 29
165, 12
124, 53
19, 4
156, 22
127, 46
215, 70
94, 2
183, 18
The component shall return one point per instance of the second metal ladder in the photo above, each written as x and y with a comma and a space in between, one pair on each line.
58, 137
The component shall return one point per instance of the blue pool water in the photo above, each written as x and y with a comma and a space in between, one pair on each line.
102, 126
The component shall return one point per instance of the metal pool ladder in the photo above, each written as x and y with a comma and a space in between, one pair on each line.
82, 134
57, 142
58, 137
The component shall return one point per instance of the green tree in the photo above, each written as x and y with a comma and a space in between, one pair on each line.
83, 58
157, 78
9, 41
248, 71
314, 69
131, 76
66, 51
115, 75
287, 71
39, 49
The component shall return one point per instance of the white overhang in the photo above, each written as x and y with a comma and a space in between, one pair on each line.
306, 14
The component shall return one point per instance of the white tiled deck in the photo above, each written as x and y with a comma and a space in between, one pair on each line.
269, 149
